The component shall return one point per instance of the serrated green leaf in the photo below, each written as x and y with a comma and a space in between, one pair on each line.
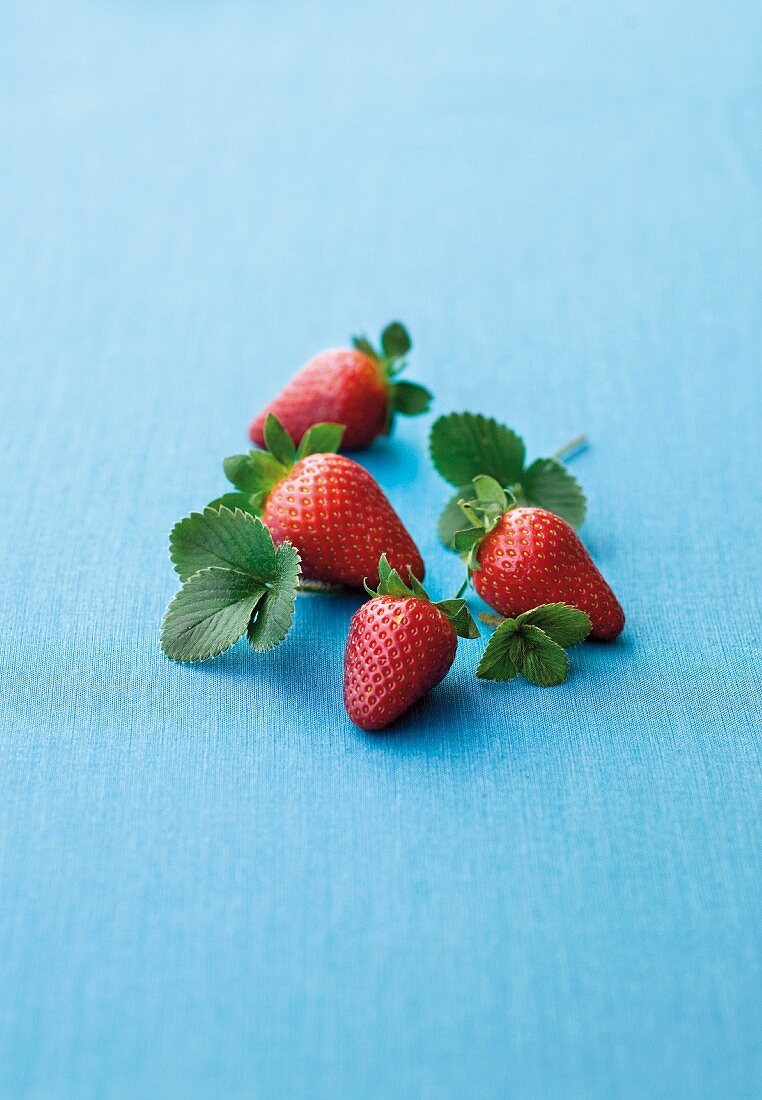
497, 663
364, 345
537, 657
254, 472
410, 399
209, 614
271, 621
395, 340
279, 442
225, 538
321, 439
548, 484
464, 445
565, 625
452, 519
457, 614
243, 501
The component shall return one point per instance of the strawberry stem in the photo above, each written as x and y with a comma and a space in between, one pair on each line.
319, 588
572, 448
491, 620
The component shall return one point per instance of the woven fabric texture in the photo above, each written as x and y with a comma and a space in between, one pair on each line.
210, 882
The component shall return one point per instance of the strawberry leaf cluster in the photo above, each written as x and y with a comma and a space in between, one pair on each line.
235, 582
533, 645
466, 446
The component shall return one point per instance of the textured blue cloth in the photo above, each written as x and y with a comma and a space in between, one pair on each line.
210, 882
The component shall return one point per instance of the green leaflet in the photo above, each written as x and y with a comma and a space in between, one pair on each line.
537, 658
409, 398
395, 340
452, 520
254, 472
220, 537
465, 445
272, 619
278, 442
567, 626
549, 485
209, 614
321, 439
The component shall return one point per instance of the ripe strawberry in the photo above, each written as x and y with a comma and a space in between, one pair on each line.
326, 505
523, 557
351, 386
400, 646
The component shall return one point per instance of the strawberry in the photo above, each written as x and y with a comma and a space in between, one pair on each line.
522, 557
351, 386
400, 646
327, 506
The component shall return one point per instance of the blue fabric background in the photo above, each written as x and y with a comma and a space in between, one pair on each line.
212, 884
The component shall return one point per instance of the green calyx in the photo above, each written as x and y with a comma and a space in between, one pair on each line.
464, 446
255, 474
485, 502
235, 582
407, 398
533, 644
455, 611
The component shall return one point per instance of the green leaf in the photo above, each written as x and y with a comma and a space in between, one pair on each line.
364, 345
219, 537
409, 398
565, 625
384, 570
537, 658
452, 519
390, 583
548, 484
254, 472
279, 442
467, 538
489, 491
209, 614
395, 340
458, 615
242, 501
497, 663
415, 585
464, 445
271, 621
321, 439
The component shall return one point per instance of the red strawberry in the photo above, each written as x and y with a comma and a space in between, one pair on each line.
355, 387
400, 646
522, 557
326, 505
